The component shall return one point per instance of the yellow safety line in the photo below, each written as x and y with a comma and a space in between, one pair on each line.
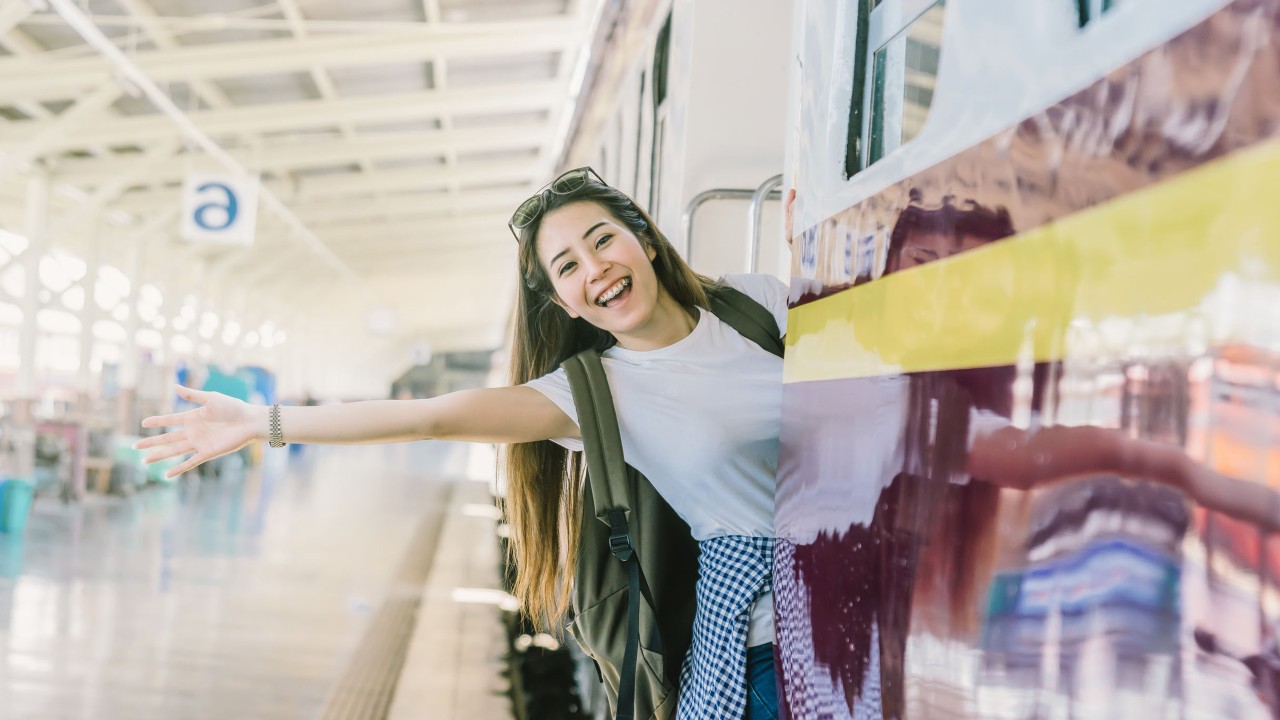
1154, 251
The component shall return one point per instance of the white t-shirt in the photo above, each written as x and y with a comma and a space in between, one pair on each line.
701, 418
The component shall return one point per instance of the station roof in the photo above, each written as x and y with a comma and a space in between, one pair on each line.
399, 135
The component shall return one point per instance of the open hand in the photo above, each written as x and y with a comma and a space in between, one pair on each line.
221, 425
789, 209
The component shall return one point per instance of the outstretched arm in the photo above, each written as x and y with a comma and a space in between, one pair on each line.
223, 424
1012, 457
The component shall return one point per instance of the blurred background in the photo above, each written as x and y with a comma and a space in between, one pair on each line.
305, 201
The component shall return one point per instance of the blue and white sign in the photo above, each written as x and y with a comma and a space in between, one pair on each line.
220, 209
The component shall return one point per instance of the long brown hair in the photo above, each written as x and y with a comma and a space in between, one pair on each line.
544, 481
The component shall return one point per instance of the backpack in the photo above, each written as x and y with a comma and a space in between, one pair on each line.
633, 594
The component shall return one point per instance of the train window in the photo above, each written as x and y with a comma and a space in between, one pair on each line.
1090, 10
895, 79
661, 111
635, 180
661, 51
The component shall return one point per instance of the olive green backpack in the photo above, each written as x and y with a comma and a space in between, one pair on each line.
633, 588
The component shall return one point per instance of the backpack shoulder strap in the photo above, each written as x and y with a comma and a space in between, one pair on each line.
752, 321
612, 497
601, 439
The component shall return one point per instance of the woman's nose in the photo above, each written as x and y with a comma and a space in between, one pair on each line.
596, 267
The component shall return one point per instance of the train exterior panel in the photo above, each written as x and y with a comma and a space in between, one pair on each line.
1033, 345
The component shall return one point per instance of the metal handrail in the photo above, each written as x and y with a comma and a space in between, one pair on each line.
706, 196
769, 188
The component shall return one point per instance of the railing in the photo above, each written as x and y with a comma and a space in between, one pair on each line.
767, 189
756, 197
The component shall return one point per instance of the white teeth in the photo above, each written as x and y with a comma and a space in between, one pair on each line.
613, 292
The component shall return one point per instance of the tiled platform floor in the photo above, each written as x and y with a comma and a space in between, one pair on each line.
242, 598
453, 670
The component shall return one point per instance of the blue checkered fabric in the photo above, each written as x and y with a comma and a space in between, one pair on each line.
734, 570
811, 691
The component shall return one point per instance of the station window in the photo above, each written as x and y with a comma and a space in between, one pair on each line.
1090, 10
894, 79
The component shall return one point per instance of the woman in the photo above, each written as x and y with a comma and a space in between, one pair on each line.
699, 410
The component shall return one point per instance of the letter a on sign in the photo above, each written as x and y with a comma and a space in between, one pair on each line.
220, 209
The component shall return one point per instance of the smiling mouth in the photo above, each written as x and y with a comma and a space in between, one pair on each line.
614, 292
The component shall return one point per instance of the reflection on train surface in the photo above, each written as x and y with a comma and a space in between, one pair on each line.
1032, 408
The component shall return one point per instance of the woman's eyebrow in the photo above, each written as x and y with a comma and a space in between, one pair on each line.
592, 229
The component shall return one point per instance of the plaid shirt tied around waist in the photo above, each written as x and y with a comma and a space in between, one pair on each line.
734, 571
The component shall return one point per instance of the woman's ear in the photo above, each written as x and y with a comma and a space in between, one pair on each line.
556, 299
650, 251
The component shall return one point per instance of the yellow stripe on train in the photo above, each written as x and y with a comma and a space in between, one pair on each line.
1157, 251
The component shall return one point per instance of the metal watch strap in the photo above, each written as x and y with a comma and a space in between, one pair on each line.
277, 440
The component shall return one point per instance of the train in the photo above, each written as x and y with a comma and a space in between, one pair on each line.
1033, 351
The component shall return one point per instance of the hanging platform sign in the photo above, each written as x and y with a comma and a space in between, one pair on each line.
221, 209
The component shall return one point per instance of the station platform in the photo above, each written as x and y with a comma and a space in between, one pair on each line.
338, 582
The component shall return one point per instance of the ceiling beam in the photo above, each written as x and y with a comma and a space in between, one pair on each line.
434, 232
436, 260
20, 44
59, 129
440, 78
423, 204
141, 168
305, 114
205, 89
283, 157
431, 11
477, 173
146, 16
54, 78
12, 13
346, 192
319, 75
256, 18
418, 205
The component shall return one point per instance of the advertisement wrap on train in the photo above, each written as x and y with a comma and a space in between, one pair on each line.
1031, 436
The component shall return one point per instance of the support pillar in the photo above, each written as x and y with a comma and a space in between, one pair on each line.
88, 317
37, 223
127, 375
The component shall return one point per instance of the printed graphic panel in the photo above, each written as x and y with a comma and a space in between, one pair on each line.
1031, 444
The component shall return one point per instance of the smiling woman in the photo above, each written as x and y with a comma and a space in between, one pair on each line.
699, 410
605, 276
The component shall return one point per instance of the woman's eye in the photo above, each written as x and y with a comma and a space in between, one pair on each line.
603, 239
567, 267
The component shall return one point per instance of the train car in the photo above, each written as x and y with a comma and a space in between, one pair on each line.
684, 108
1028, 461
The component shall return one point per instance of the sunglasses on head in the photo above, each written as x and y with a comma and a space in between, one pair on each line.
530, 209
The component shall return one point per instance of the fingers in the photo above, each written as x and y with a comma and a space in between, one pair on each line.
191, 462
168, 452
789, 213
167, 420
156, 441
191, 394
199, 397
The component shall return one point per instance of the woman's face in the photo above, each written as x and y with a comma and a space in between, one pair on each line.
925, 247
600, 270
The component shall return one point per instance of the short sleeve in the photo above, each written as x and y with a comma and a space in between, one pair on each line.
765, 289
555, 386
